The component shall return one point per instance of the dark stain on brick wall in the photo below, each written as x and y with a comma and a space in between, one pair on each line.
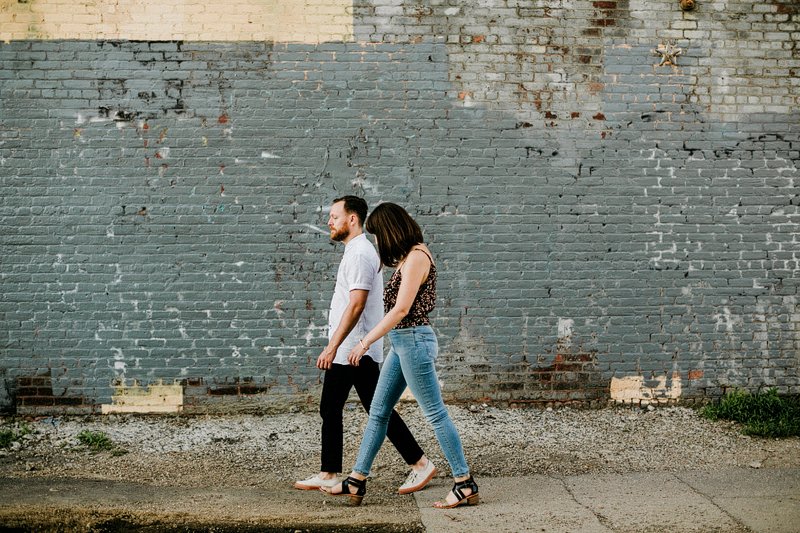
571, 379
237, 387
597, 187
35, 393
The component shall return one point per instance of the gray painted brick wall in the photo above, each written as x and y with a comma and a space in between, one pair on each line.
595, 215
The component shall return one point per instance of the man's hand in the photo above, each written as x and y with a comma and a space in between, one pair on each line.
358, 300
325, 359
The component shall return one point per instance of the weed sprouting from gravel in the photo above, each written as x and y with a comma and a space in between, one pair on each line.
763, 414
96, 441
9, 436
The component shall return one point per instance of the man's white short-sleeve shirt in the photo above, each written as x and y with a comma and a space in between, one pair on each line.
359, 269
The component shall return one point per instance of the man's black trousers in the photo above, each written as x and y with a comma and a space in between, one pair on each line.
339, 379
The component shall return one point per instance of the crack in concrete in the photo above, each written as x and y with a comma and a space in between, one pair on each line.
735, 520
604, 520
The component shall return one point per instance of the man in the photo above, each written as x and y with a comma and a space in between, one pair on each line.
356, 307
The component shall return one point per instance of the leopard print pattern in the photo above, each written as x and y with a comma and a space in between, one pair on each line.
424, 302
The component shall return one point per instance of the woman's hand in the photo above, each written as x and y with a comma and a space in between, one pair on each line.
415, 270
357, 353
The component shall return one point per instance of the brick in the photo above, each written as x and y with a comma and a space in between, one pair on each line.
149, 236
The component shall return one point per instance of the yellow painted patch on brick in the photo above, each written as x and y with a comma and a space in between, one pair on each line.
633, 389
305, 21
158, 398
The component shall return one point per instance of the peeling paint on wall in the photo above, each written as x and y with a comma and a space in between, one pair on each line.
637, 389
158, 398
311, 21
625, 227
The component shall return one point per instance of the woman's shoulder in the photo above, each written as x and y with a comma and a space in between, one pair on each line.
419, 257
424, 249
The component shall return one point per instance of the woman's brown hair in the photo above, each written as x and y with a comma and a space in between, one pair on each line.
396, 233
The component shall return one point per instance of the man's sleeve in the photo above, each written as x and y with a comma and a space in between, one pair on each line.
360, 273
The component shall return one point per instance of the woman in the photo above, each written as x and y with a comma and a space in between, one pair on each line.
408, 298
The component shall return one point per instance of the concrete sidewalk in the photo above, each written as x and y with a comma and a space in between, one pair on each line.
735, 500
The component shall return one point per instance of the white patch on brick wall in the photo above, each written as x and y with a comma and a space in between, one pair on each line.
361, 182
564, 341
726, 320
761, 335
786, 220
315, 228
279, 353
119, 363
158, 398
310, 21
565, 326
734, 214
790, 302
313, 333
268, 155
635, 389
731, 93
117, 274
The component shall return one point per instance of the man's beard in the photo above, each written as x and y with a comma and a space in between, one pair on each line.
340, 234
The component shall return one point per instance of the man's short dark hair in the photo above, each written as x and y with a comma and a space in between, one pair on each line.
354, 204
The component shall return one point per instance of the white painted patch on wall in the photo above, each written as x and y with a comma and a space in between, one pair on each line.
310, 21
269, 155
117, 274
158, 398
315, 228
565, 327
726, 320
312, 332
360, 181
634, 389
119, 363
278, 353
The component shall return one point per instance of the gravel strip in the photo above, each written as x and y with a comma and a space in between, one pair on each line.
245, 450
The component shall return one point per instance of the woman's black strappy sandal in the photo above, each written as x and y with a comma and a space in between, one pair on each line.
458, 490
359, 484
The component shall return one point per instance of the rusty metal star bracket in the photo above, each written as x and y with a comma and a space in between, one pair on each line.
669, 53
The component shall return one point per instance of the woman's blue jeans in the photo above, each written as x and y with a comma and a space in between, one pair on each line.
411, 361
